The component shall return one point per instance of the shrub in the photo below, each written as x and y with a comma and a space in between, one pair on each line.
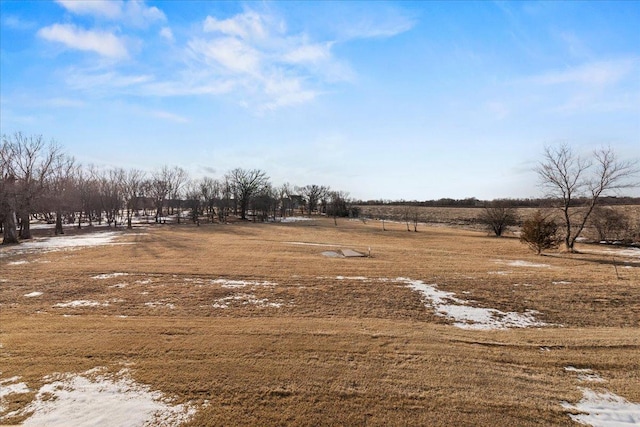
540, 233
497, 217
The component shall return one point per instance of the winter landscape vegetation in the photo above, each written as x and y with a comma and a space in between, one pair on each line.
220, 213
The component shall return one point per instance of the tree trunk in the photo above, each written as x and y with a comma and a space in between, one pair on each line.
25, 229
59, 229
10, 231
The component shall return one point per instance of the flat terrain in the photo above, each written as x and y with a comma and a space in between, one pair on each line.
251, 324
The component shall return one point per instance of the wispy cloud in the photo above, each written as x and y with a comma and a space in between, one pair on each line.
247, 26
133, 12
251, 55
17, 23
105, 8
165, 115
101, 42
604, 86
167, 34
64, 103
269, 66
104, 81
595, 73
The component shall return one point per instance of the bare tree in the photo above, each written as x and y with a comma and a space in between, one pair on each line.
62, 186
338, 205
110, 194
497, 216
246, 184
571, 179
610, 224
8, 221
285, 191
313, 194
30, 161
179, 178
210, 193
407, 214
194, 200
132, 189
87, 192
160, 188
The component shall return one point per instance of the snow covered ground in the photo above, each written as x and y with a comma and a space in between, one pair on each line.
60, 243
464, 315
96, 398
601, 408
460, 311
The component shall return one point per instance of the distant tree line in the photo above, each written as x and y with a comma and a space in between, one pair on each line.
39, 180
472, 202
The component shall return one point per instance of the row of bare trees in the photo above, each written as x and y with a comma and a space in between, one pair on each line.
576, 184
38, 179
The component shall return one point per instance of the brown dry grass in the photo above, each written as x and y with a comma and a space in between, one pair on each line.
337, 351
468, 217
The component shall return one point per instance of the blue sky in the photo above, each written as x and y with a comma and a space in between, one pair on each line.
400, 100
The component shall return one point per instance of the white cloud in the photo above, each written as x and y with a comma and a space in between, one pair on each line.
248, 25
104, 43
286, 91
165, 115
133, 12
64, 103
136, 13
594, 73
265, 65
82, 80
311, 53
251, 55
599, 86
230, 53
105, 8
381, 22
17, 23
167, 34
189, 86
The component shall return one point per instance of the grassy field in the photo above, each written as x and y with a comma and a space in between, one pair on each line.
467, 217
250, 324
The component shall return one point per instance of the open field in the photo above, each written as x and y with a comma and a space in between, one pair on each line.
467, 217
250, 324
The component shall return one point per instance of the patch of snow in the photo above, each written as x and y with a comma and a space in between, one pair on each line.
119, 285
245, 299
58, 243
226, 283
33, 294
561, 282
351, 278
18, 262
466, 317
80, 303
500, 273
11, 386
585, 375
604, 409
94, 399
295, 219
143, 282
155, 304
630, 252
109, 275
520, 263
